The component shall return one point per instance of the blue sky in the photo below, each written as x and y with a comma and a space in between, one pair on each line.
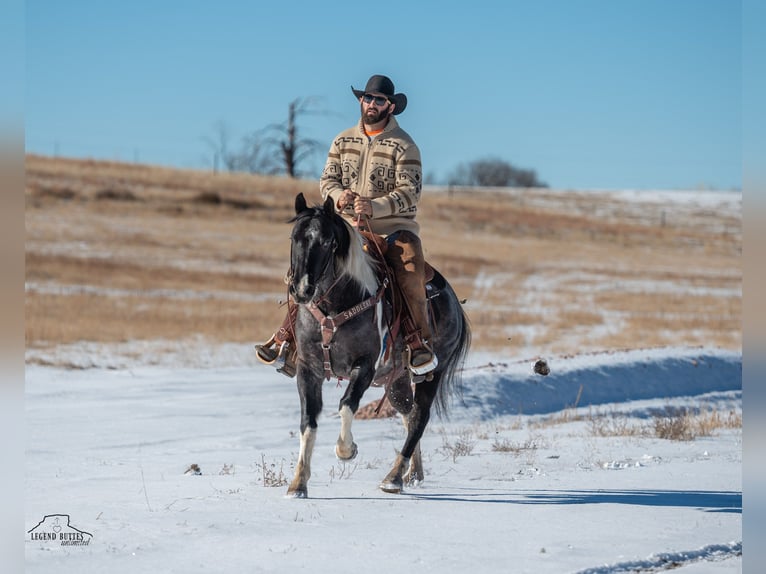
641, 94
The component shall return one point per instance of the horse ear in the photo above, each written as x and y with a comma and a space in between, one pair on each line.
300, 203
329, 206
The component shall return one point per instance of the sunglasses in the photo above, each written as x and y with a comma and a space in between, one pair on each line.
379, 100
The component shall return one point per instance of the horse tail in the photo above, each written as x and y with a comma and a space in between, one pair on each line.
451, 382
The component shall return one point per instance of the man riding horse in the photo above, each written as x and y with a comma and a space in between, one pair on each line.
374, 176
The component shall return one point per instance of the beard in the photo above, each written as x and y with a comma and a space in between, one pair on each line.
374, 115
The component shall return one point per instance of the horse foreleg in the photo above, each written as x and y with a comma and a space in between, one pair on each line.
359, 382
299, 486
345, 448
310, 393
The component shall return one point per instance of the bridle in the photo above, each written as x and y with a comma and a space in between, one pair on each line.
329, 324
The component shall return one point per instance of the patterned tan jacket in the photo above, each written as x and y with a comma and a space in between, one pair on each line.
385, 167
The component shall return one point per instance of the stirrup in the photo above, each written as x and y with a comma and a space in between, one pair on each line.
282, 357
268, 352
425, 367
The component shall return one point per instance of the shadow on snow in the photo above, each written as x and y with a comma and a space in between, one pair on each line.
707, 501
502, 389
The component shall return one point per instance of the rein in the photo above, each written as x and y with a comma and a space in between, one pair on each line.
329, 324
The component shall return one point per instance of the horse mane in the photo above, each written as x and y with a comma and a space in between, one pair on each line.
357, 263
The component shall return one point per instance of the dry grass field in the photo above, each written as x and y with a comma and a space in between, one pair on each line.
124, 252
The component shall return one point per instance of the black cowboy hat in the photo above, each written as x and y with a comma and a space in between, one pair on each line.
383, 85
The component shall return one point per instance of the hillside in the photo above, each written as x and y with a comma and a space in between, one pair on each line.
119, 254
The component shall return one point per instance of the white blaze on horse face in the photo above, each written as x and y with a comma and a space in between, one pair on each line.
303, 288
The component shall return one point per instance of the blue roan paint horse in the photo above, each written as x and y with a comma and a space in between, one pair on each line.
340, 330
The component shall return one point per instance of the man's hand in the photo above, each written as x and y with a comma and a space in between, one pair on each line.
363, 206
346, 199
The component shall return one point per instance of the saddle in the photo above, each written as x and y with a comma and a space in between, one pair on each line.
396, 308
377, 246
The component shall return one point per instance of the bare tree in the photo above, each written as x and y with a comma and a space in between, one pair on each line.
254, 155
219, 146
277, 148
289, 148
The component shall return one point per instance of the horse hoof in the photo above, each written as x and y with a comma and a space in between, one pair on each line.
297, 494
351, 455
390, 487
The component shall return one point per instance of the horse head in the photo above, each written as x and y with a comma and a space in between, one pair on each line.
319, 236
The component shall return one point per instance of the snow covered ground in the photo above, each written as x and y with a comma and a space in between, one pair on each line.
521, 478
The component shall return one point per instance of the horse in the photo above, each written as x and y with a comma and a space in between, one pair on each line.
340, 330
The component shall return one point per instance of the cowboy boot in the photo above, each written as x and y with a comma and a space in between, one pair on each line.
405, 256
280, 349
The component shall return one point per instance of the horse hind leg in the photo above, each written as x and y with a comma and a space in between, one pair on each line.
409, 460
406, 471
415, 474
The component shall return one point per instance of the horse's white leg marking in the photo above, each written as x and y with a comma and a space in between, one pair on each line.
345, 448
393, 482
299, 486
414, 474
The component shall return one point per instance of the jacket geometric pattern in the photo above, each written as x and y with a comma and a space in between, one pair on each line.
386, 168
